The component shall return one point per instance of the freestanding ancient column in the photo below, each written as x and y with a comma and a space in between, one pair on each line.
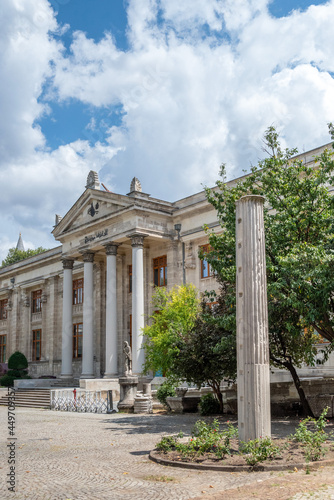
67, 334
137, 242
111, 312
88, 318
253, 377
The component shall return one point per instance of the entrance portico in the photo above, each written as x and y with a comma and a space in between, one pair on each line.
111, 342
107, 235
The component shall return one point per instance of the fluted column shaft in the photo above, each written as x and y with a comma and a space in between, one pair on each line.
137, 242
67, 334
88, 318
253, 377
111, 368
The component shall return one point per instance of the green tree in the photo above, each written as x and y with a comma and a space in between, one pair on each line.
299, 222
175, 314
15, 255
207, 352
189, 341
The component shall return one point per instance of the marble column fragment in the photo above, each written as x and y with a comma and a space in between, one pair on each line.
253, 374
67, 342
88, 318
137, 242
111, 368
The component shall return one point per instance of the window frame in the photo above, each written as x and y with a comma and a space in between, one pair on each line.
77, 291
36, 345
130, 331
206, 270
36, 301
3, 309
76, 344
160, 265
3, 348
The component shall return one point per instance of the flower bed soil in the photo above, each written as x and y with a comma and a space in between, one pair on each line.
292, 457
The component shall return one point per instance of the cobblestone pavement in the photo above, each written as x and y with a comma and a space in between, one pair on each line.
61, 456
323, 494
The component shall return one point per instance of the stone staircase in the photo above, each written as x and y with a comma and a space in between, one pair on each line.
38, 397
29, 398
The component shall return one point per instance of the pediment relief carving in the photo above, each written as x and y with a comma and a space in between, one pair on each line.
91, 211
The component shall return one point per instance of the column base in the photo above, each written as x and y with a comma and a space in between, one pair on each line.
66, 375
87, 375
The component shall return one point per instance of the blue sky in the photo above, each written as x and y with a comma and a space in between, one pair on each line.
159, 89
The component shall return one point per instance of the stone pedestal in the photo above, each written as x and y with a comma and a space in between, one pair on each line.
182, 404
175, 403
128, 390
147, 390
143, 404
253, 375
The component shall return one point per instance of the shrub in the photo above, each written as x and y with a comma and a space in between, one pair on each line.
165, 390
17, 361
7, 381
205, 438
259, 450
17, 373
209, 405
311, 434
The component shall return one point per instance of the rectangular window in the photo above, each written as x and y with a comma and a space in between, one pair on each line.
130, 331
78, 291
3, 342
130, 279
77, 340
36, 345
3, 309
206, 270
160, 271
37, 301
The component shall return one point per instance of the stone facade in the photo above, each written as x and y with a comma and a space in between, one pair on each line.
117, 246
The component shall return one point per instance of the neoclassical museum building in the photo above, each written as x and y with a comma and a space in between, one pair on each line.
70, 309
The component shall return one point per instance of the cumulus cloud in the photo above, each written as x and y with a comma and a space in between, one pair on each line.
198, 85
35, 181
201, 82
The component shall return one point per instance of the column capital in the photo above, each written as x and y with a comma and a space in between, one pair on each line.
137, 239
111, 248
256, 198
88, 256
68, 263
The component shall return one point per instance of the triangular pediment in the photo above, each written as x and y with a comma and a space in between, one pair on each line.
92, 206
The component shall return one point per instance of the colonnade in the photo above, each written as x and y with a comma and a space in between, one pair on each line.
111, 366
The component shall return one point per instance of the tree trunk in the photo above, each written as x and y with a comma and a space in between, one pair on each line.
296, 380
305, 404
216, 389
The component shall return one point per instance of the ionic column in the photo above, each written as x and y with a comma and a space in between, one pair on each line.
137, 242
88, 318
67, 334
111, 368
253, 375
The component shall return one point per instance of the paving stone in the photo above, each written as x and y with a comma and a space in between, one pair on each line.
80, 456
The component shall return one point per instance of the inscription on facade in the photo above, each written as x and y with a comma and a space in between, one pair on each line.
96, 236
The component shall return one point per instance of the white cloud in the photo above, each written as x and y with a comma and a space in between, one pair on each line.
192, 102
198, 86
35, 182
